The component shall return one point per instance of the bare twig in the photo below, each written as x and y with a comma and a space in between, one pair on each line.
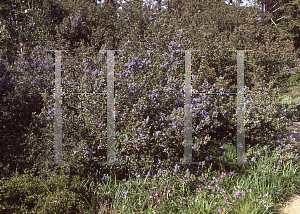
281, 18
276, 9
273, 21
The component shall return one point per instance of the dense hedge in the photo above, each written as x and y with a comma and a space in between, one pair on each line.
149, 83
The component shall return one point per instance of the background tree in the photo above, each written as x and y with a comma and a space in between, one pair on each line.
112, 3
289, 22
25, 22
283, 15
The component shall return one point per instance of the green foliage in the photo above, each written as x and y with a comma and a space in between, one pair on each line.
293, 27
216, 58
140, 95
271, 62
57, 194
30, 23
91, 23
284, 16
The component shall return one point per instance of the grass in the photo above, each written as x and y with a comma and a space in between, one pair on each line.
259, 188
292, 96
208, 192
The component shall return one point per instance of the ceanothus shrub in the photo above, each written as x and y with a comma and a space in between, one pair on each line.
149, 103
152, 113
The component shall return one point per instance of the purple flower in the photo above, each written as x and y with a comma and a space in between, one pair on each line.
176, 168
104, 177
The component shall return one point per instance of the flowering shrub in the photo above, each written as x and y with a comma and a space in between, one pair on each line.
149, 88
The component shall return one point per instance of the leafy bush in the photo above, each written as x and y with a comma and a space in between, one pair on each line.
26, 193
150, 104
